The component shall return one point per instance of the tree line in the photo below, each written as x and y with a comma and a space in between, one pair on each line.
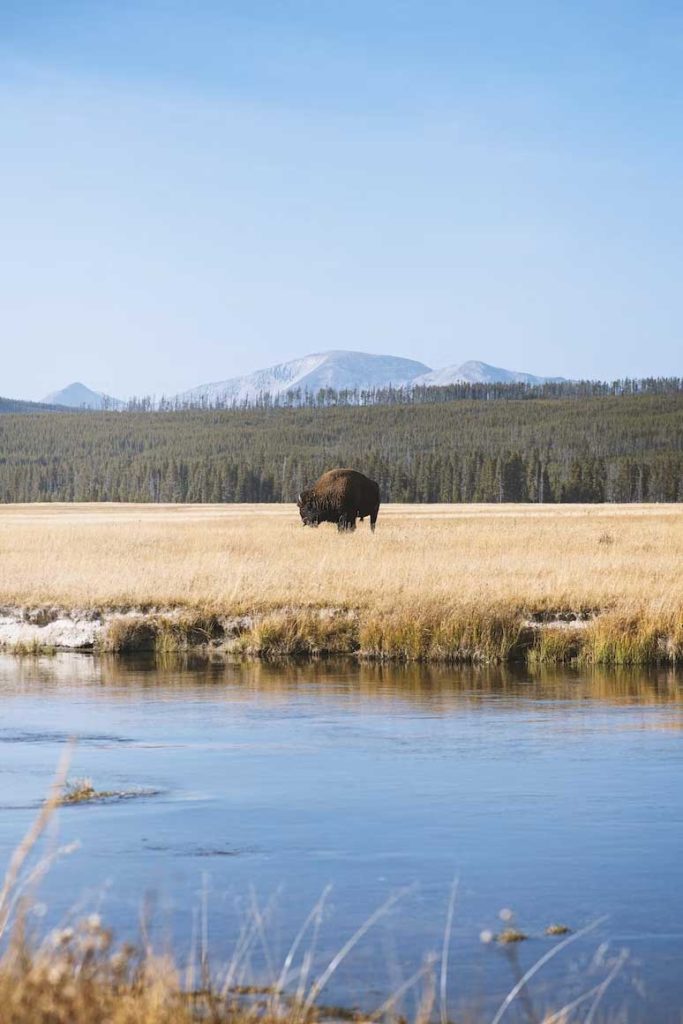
413, 395
19, 405
624, 446
616, 447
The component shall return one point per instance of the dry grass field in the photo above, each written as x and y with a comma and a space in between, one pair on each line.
246, 556
432, 581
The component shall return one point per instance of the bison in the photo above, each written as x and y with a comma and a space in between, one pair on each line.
340, 496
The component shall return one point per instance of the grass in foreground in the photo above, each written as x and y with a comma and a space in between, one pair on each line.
450, 583
77, 975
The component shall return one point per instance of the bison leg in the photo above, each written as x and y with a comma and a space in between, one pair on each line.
347, 521
373, 518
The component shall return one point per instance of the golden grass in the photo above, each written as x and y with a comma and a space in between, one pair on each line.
64, 990
79, 975
439, 581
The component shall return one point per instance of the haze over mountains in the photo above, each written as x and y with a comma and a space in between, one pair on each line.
17, 405
338, 369
78, 396
341, 370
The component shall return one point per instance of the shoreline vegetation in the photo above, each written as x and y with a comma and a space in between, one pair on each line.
436, 583
459, 636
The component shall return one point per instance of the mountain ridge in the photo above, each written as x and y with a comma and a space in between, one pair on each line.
336, 369
476, 372
339, 369
342, 369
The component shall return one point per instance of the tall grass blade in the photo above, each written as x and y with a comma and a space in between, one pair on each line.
448, 929
541, 962
336, 960
597, 992
405, 987
619, 963
314, 916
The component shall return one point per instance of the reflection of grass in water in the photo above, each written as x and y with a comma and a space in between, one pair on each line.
435, 685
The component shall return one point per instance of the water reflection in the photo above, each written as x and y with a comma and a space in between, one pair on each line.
432, 687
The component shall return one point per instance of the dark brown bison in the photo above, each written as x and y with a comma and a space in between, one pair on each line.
340, 496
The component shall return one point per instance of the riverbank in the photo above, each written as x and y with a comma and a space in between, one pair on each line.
442, 583
462, 636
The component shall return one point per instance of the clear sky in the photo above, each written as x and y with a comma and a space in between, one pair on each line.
193, 189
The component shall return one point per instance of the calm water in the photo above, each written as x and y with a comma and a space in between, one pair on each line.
559, 796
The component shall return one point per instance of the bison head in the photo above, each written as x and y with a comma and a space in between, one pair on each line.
308, 509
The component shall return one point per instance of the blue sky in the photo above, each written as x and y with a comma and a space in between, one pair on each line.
192, 190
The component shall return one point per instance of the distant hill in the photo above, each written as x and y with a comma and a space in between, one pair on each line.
17, 405
338, 369
474, 372
78, 396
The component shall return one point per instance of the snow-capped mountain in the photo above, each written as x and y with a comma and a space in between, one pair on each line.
78, 396
336, 369
474, 372
339, 370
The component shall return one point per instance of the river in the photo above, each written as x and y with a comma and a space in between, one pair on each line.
556, 795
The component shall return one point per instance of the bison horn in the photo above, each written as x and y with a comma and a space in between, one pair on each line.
298, 500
